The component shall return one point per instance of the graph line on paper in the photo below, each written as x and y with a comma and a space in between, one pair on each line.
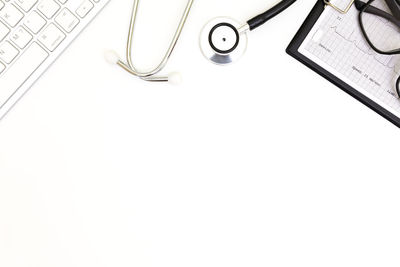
391, 64
337, 44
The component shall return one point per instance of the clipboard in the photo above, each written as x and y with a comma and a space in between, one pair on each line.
293, 50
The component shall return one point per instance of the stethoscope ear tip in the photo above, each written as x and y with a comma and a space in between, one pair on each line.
111, 57
174, 78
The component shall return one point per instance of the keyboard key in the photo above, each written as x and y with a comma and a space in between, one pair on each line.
35, 22
51, 37
8, 52
67, 20
11, 15
20, 71
84, 8
21, 37
3, 31
32, 35
26, 5
48, 8
2, 68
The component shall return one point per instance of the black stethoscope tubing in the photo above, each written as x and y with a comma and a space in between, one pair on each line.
223, 40
259, 20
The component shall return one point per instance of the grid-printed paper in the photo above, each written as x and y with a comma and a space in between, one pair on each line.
337, 44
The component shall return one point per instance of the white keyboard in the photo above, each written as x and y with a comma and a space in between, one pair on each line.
33, 33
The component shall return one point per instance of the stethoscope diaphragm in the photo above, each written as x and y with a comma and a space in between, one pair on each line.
222, 42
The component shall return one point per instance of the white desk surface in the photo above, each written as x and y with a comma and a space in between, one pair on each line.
263, 163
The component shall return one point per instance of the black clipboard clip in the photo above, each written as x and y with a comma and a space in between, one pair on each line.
338, 9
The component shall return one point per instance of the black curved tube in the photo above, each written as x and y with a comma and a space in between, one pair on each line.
368, 8
269, 14
394, 6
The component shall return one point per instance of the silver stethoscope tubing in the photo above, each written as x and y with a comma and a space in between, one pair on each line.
151, 75
224, 40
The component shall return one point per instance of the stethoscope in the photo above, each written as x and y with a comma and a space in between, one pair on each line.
222, 41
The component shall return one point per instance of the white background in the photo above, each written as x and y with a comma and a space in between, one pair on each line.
262, 163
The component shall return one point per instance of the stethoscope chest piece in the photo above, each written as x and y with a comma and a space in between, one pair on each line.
222, 42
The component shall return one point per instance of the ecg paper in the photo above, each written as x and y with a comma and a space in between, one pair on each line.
337, 45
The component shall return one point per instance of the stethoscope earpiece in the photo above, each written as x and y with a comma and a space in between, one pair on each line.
111, 57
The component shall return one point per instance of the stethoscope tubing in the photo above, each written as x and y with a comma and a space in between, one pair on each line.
151, 75
259, 20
